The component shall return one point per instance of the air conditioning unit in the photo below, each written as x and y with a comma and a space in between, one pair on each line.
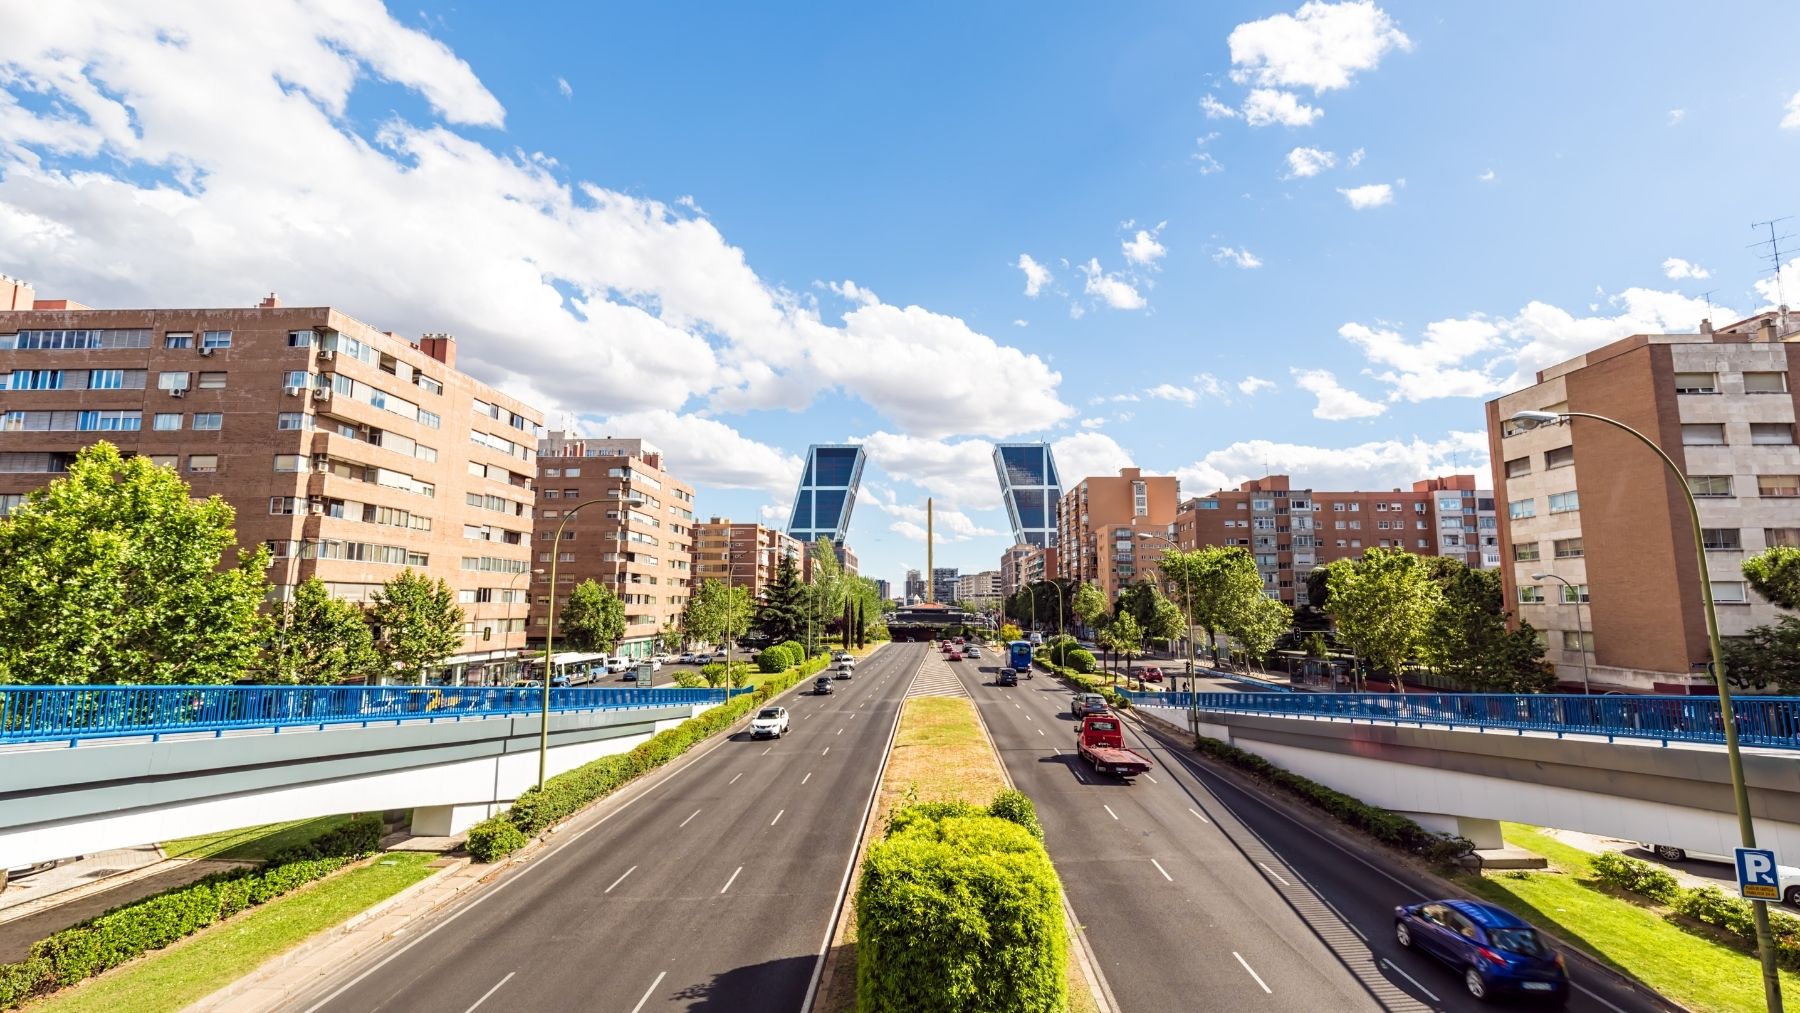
327, 354
294, 391
205, 352
321, 393
178, 392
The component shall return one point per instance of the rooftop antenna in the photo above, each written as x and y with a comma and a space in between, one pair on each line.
1707, 295
1774, 254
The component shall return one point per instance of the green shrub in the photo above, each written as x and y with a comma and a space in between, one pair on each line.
904, 817
1633, 876
775, 659
687, 678
960, 914
1015, 806
494, 838
795, 648
21, 981
1081, 660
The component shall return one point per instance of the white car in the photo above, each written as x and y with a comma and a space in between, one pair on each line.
770, 722
619, 666
656, 663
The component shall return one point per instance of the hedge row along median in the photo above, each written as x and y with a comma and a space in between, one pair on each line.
1085, 683
108, 940
959, 911
1707, 905
565, 794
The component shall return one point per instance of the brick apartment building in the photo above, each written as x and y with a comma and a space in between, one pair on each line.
1293, 531
1589, 504
742, 554
638, 539
351, 452
981, 584
1097, 522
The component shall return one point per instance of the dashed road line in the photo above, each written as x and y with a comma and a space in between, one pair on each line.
491, 991
1162, 870
1253, 974
621, 879
690, 819
1109, 811
648, 991
772, 822
732, 880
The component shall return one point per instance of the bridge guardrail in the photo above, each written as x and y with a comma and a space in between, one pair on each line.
1771, 722
56, 713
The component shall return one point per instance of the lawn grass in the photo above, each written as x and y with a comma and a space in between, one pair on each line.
170, 979
253, 843
1698, 973
939, 755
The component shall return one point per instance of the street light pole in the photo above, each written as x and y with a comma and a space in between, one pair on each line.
1759, 910
550, 640
1580, 633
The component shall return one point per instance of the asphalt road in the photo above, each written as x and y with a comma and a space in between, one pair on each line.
713, 890
1196, 895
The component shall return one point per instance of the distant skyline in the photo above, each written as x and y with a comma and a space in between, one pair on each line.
1212, 241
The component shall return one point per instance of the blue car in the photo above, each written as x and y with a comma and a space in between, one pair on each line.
1496, 952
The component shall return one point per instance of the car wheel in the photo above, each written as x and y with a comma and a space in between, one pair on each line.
1670, 853
1793, 896
1475, 983
1402, 934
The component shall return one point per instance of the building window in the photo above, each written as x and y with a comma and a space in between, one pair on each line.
552, 472
300, 339
1564, 502
1703, 434
565, 557
1785, 538
1728, 592
1574, 641
212, 381
1722, 539
1573, 593
1525, 552
1531, 594
290, 462
1520, 508
1765, 383
165, 422
290, 420
571, 472
172, 381
203, 462
215, 339
1714, 486
1559, 457
1696, 383
178, 339
1518, 467
166, 460
1777, 485
1140, 498
1769, 434
208, 421
1567, 548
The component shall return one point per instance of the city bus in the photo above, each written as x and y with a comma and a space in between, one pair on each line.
1018, 655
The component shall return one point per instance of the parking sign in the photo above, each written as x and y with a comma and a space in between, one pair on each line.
1757, 878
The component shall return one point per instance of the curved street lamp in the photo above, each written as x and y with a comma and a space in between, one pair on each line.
1765, 943
550, 635
1580, 633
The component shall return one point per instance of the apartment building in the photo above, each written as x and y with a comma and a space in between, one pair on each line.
352, 452
884, 589
943, 584
983, 584
915, 587
1099, 519
1589, 504
742, 554
1012, 567
625, 522
1293, 531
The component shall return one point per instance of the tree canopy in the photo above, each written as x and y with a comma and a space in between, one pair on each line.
319, 640
418, 622
782, 614
1088, 604
1468, 638
1383, 604
1775, 574
593, 619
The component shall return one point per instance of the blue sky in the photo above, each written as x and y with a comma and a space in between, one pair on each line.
736, 231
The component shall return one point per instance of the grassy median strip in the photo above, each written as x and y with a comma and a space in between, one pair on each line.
939, 755
253, 843
195, 968
1696, 972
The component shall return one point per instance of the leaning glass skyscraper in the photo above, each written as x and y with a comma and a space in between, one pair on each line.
1031, 488
827, 492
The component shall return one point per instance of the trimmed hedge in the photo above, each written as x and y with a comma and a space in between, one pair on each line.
1081, 660
1387, 827
1085, 683
123, 933
1633, 876
959, 913
1015, 806
572, 791
1707, 905
776, 659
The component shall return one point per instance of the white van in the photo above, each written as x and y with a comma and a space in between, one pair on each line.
1036, 638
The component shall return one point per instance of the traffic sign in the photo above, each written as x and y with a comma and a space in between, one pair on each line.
1757, 876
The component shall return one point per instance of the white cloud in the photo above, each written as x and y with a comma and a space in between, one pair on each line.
1094, 422
1170, 392
1336, 403
1021, 323
855, 293
1143, 248
1372, 195
583, 295
1304, 162
1773, 294
1206, 163
1373, 466
948, 523
1679, 269
1791, 121
1355, 158
1114, 290
1085, 455
960, 473
1549, 335
1676, 116
1431, 367
1251, 385
709, 452
1216, 110
1036, 275
1239, 256
1266, 106
563, 87
1487, 176
1322, 46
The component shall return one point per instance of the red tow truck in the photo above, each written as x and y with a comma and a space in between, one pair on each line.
1101, 742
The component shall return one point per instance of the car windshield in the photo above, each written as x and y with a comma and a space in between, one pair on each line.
770, 713
1521, 941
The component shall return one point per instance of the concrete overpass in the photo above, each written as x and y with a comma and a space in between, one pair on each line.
1634, 767
251, 755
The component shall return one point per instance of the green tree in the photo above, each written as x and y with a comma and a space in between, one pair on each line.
1010, 632
1168, 622
319, 640
593, 619
1383, 605
1318, 587
1775, 574
828, 587
417, 623
1127, 638
782, 613
1468, 637
670, 637
719, 614
1088, 605
113, 574
1224, 584
1258, 624
1767, 655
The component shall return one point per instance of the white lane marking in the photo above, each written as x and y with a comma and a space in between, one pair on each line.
1196, 812
1272, 872
690, 819
659, 977
1041, 732
1252, 970
1162, 870
768, 751
1055, 750
1152, 780
491, 991
1028, 717
807, 778
1408, 977
621, 879
827, 750
1016, 706
1109, 811
732, 880
840, 731
772, 822
734, 778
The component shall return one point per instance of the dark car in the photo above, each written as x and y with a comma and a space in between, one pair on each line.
1007, 677
1496, 952
822, 685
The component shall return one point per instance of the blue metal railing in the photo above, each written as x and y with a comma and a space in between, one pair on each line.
1770, 721
54, 713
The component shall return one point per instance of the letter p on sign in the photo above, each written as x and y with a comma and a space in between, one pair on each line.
1757, 875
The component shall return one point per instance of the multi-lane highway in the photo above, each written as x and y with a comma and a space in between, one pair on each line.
1197, 895
712, 890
